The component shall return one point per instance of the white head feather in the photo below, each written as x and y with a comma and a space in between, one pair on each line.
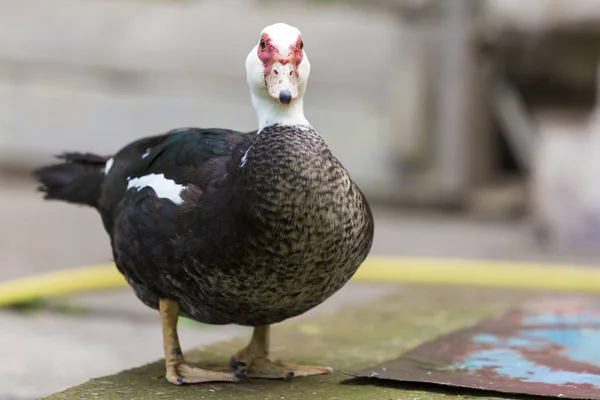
270, 110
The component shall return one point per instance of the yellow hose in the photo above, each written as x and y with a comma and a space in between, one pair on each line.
508, 274
375, 269
60, 283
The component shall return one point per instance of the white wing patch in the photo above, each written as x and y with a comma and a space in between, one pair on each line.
147, 153
165, 188
108, 165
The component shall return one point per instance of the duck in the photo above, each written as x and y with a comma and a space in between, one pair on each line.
228, 227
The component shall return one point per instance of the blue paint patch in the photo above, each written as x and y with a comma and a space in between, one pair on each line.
512, 364
580, 345
486, 338
562, 319
530, 343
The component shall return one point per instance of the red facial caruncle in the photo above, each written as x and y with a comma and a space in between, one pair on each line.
281, 70
269, 54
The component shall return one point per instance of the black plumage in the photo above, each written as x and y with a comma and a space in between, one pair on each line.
249, 244
76, 180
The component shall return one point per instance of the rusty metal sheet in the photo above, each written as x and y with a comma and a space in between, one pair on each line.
548, 347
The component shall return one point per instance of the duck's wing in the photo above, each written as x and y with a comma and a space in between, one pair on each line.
152, 191
174, 166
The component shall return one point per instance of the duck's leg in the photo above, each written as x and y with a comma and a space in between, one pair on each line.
178, 371
253, 357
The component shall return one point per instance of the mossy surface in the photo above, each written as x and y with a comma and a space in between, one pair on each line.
351, 338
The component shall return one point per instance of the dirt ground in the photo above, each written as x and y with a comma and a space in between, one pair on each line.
47, 351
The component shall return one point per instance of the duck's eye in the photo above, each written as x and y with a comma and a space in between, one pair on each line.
262, 44
301, 44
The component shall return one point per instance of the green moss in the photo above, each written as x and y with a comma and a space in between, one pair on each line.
60, 306
191, 323
28, 307
349, 339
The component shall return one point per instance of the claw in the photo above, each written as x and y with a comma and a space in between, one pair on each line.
241, 375
289, 376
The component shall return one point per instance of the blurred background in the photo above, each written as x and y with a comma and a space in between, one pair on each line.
472, 126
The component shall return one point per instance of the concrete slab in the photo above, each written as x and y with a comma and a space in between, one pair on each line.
349, 338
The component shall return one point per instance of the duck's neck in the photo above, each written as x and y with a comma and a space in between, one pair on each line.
271, 112
285, 151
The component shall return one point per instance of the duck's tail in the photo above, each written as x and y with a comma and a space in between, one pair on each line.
78, 179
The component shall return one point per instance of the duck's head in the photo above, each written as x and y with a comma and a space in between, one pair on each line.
277, 70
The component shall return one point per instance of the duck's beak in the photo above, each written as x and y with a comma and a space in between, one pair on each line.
282, 82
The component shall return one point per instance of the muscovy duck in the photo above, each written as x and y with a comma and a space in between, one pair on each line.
227, 227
